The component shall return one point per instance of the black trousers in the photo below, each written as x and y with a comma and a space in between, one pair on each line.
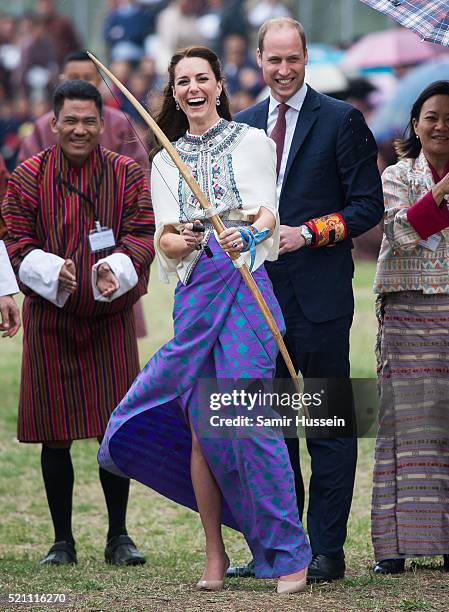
321, 351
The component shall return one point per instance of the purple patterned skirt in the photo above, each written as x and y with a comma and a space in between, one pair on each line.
219, 333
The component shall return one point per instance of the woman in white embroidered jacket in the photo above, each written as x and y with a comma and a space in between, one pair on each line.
410, 508
163, 432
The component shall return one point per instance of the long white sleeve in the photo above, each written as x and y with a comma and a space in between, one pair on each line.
125, 272
40, 272
8, 283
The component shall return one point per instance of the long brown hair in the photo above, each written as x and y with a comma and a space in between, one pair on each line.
174, 122
409, 145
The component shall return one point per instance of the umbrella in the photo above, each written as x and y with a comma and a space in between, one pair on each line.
326, 77
323, 54
330, 79
385, 84
395, 47
428, 18
391, 119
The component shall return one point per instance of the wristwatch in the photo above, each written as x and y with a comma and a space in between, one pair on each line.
307, 234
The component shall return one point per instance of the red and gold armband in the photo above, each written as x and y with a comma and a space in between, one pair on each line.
327, 230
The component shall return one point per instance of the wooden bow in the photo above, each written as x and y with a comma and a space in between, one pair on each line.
215, 219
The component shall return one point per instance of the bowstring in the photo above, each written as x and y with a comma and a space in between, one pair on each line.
134, 130
177, 201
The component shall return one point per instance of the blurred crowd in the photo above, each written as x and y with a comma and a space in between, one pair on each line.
140, 37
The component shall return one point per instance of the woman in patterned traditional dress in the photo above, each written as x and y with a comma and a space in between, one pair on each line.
410, 508
159, 432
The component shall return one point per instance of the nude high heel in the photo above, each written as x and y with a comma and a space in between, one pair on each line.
210, 585
213, 585
296, 586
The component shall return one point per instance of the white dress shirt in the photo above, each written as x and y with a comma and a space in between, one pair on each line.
40, 272
8, 284
291, 116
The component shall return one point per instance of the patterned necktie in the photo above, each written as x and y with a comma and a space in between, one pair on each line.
278, 133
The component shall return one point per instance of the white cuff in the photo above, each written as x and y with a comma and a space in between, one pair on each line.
124, 270
8, 283
40, 272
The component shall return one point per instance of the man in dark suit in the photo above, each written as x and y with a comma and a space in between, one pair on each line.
329, 192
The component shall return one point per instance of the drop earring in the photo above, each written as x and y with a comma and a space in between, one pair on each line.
177, 105
217, 101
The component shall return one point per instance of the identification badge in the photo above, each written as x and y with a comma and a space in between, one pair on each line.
101, 238
432, 242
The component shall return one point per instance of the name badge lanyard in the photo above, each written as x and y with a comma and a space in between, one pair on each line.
85, 197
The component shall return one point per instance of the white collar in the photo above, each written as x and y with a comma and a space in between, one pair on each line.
296, 101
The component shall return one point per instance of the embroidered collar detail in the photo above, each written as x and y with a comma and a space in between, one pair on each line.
210, 160
217, 139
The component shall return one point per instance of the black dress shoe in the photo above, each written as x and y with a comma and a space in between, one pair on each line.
241, 571
325, 569
61, 553
389, 566
446, 563
121, 550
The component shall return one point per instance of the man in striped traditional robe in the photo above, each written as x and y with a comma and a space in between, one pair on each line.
119, 134
80, 238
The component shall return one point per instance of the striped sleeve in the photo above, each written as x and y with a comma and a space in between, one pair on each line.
4, 175
19, 211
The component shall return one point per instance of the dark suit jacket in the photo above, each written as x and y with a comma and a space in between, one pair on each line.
331, 167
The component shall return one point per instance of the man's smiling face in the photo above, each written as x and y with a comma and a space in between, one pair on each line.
283, 60
78, 128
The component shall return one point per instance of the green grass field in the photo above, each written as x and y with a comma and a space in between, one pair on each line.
171, 536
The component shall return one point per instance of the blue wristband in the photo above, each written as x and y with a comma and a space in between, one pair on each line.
251, 240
